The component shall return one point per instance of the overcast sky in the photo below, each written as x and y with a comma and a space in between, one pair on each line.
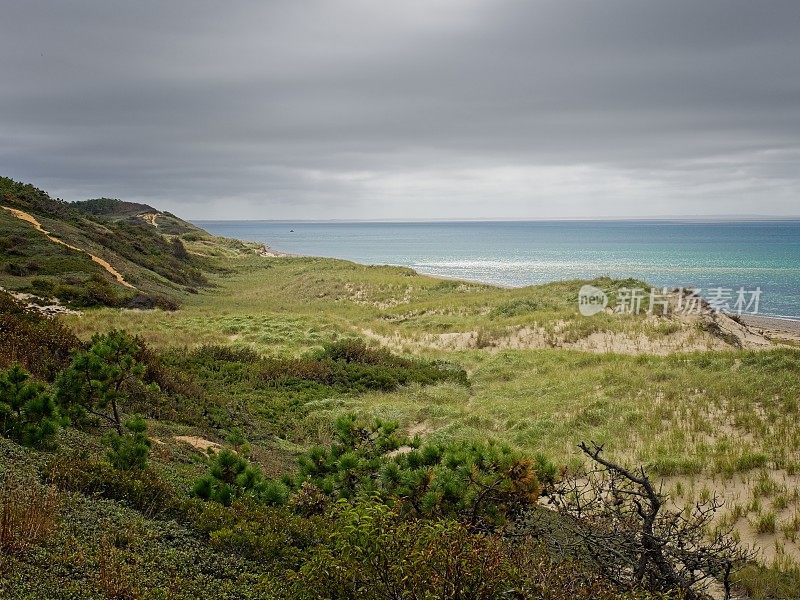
406, 110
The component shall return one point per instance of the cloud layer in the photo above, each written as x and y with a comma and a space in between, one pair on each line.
414, 109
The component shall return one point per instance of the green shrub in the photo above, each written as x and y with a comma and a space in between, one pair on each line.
97, 291
170, 393
98, 380
131, 449
150, 302
42, 286
349, 365
353, 350
513, 308
15, 269
257, 532
480, 484
28, 415
277, 392
232, 476
371, 551
179, 250
308, 500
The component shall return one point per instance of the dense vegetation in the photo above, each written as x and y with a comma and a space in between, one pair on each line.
371, 513
150, 254
368, 514
263, 442
42, 346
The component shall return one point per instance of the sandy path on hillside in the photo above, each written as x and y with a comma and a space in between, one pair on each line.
150, 218
38, 226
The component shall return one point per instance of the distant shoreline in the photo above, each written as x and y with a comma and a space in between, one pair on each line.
774, 327
728, 255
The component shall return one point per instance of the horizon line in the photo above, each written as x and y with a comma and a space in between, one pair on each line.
700, 218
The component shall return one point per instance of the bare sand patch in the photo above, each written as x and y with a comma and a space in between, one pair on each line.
33, 302
198, 443
777, 329
149, 218
703, 332
421, 429
268, 252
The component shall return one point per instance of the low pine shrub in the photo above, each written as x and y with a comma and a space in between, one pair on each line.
97, 384
131, 449
232, 476
479, 484
28, 414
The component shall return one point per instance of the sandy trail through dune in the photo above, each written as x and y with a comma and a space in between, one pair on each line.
38, 226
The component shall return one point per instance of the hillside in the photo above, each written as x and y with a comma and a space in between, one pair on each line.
99, 252
306, 427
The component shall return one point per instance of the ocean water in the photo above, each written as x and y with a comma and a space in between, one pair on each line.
704, 255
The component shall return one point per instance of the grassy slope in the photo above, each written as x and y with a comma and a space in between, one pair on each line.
543, 399
38, 257
106, 549
148, 253
279, 304
707, 421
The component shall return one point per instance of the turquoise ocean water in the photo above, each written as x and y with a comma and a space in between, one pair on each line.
705, 255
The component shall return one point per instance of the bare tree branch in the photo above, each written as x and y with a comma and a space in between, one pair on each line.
624, 525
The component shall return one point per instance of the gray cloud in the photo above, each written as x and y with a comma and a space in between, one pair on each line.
363, 109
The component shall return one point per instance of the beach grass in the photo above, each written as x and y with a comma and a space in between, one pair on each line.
704, 417
255, 295
719, 411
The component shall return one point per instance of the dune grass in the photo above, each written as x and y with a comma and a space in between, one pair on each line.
278, 304
702, 418
722, 412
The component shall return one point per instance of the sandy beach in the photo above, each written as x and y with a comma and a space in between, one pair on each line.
773, 327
